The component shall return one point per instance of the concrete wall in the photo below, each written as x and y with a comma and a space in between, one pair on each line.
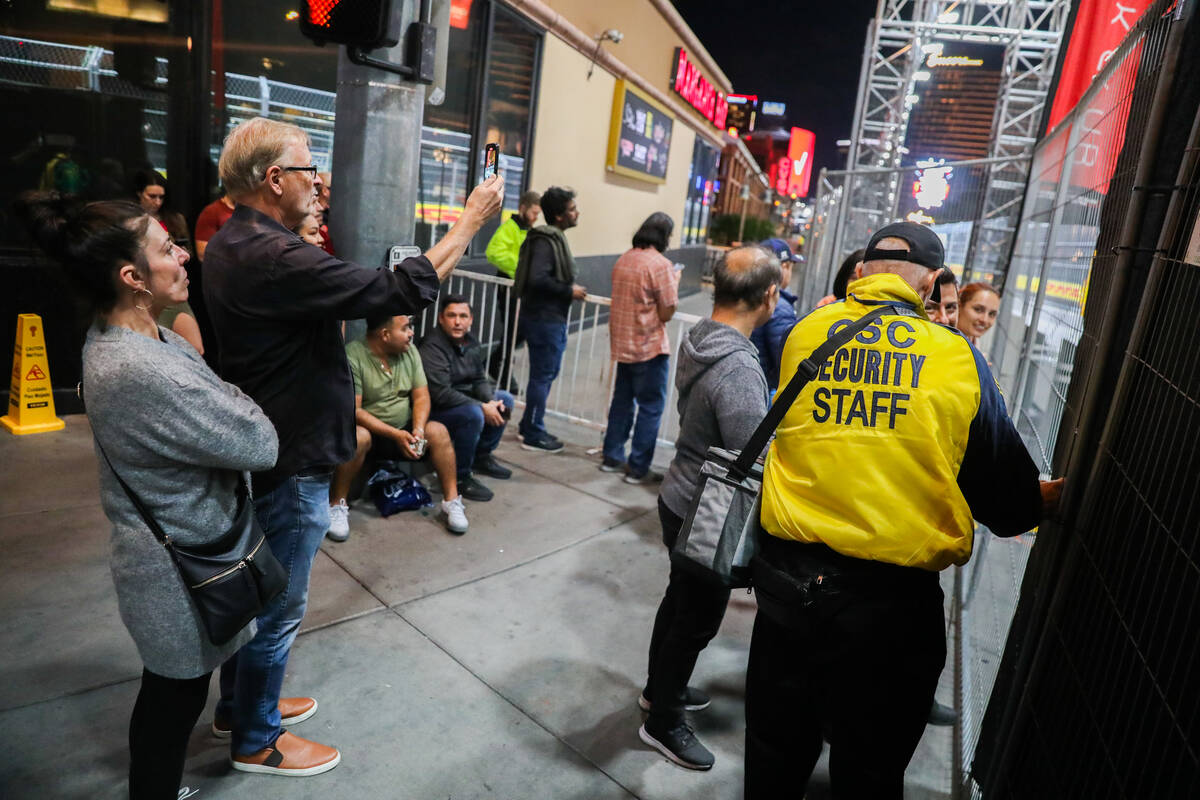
570, 146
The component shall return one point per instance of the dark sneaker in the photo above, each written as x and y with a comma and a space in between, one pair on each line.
290, 756
679, 744
693, 700
544, 443
612, 465
941, 715
488, 465
291, 711
649, 476
472, 489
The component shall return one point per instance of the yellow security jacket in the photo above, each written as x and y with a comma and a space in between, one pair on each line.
897, 442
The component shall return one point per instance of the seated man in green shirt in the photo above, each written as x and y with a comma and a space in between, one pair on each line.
391, 402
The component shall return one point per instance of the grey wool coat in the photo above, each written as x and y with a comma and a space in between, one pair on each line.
179, 436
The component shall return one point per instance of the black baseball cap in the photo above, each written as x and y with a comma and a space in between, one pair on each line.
924, 248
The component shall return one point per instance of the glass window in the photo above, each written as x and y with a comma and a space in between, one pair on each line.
446, 136
702, 189
513, 50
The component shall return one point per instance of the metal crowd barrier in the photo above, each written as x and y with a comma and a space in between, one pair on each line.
582, 392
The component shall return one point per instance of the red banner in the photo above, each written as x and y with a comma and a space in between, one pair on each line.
1100, 25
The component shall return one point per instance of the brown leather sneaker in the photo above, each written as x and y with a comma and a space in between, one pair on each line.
290, 756
291, 709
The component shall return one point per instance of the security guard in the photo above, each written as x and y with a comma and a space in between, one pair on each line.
869, 490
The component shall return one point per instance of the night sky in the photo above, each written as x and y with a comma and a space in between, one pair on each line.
805, 53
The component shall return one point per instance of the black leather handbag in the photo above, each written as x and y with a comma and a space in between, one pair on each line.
230, 580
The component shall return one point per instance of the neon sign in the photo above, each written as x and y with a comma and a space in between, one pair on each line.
936, 59
701, 95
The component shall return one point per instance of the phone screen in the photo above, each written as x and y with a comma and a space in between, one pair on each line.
491, 155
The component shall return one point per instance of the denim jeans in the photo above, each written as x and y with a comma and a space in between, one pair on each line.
645, 384
471, 434
294, 516
546, 341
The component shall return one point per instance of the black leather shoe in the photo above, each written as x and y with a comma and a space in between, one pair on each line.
474, 490
488, 465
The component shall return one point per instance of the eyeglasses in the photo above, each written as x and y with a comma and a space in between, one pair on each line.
311, 169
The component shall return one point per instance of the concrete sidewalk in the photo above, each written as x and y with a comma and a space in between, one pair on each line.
504, 663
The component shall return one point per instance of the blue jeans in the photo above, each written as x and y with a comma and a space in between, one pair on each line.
643, 384
294, 516
547, 341
473, 438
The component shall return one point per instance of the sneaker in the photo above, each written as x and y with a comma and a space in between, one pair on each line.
680, 745
649, 476
290, 756
339, 522
693, 700
544, 443
612, 465
456, 515
488, 465
291, 711
473, 490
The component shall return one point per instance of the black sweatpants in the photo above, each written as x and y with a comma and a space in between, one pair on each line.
689, 616
862, 655
163, 717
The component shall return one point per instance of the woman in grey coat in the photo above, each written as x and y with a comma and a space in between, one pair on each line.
177, 434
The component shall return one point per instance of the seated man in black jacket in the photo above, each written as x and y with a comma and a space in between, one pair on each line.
464, 399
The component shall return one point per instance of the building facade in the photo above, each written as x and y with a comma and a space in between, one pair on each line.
102, 95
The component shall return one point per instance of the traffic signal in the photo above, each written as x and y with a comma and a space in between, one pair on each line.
355, 23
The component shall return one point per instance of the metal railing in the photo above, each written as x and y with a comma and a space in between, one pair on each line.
583, 390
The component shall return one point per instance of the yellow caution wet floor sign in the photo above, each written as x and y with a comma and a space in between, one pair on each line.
30, 398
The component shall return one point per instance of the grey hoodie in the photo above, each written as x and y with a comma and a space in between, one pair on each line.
722, 399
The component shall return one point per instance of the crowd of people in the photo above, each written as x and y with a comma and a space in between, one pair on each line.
870, 488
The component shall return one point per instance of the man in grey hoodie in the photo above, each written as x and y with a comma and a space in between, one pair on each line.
722, 399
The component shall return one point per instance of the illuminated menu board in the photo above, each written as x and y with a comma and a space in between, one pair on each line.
639, 137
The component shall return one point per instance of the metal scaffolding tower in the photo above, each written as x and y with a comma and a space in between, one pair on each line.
894, 62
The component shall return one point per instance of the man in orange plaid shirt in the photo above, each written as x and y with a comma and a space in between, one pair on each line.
645, 292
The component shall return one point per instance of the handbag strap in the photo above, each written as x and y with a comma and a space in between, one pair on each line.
805, 372
147, 517
151, 523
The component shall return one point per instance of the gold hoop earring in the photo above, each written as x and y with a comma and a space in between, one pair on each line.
136, 292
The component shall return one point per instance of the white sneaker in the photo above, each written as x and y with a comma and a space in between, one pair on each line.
456, 515
339, 522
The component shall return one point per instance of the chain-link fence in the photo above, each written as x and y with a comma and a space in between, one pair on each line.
947, 196
1049, 350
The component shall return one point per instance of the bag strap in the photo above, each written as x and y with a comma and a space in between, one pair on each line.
151, 523
147, 517
805, 372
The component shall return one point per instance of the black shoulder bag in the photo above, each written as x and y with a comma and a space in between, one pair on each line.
719, 536
230, 580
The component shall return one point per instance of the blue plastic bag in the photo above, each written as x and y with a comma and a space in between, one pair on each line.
394, 490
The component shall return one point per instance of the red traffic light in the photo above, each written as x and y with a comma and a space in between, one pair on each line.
357, 23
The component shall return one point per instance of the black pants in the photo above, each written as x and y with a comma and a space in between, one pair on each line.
689, 616
163, 717
862, 653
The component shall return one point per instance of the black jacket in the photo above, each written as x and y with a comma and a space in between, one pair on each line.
276, 304
546, 298
456, 372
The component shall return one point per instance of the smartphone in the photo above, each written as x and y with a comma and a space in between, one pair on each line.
491, 159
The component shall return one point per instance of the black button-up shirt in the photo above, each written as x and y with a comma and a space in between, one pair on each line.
276, 304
